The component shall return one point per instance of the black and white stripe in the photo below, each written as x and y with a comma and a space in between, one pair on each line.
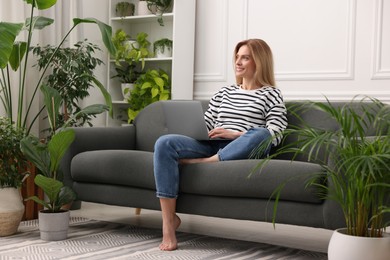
237, 109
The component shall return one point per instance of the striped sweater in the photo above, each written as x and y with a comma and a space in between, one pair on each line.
237, 109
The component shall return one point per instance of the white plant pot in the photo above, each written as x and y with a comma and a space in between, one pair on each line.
142, 8
11, 210
53, 226
343, 247
166, 54
125, 86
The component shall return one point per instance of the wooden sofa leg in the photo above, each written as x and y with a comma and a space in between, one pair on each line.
137, 211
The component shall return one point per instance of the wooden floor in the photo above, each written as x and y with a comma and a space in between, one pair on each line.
313, 239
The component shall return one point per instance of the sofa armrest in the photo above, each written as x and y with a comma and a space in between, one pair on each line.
96, 138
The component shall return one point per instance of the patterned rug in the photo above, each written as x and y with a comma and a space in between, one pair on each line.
91, 239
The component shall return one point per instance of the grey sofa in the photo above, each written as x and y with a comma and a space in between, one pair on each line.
114, 165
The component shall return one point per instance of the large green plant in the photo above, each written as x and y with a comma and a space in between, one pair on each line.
72, 74
46, 156
151, 86
357, 165
14, 56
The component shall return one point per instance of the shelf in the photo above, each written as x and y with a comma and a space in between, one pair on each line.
153, 59
142, 18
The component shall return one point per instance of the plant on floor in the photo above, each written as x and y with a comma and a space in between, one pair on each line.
357, 165
72, 74
151, 86
14, 56
46, 156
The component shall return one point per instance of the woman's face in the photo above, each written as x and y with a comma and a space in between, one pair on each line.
245, 65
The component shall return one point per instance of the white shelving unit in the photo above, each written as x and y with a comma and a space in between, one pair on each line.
179, 26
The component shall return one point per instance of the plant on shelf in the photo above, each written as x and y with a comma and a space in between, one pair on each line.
14, 56
72, 74
123, 9
357, 166
162, 6
163, 47
151, 86
130, 57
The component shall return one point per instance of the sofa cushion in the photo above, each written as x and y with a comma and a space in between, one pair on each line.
234, 179
118, 167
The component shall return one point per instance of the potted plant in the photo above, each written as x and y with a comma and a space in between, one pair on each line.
15, 54
151, 86
357, 169
129, 58
46, 156
163, 48
142, 8
161, 7
13, 165
123, 9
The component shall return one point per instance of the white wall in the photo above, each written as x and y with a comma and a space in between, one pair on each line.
337, 48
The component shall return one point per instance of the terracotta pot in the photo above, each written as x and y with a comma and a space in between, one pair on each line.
342, 247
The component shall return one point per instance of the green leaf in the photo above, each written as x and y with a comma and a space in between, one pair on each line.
159, 81
155, 92
106, 95
17, 54
8, 33
66, 195
39, 22
42, 4
53, 101
146, 85
58, 145
50, 186
37, 153
105, 30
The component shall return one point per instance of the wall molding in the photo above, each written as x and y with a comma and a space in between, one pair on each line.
377, 71
346, 74
219, 76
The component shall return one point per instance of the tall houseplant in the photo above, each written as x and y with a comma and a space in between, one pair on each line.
357, 164
14, 55
72, 74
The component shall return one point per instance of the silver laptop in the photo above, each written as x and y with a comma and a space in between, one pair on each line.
186, 118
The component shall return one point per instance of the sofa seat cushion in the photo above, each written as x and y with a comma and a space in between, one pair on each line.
117, 167
234, 179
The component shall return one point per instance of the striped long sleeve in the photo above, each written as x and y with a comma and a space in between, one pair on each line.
237, 109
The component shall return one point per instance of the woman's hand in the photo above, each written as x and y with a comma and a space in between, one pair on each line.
220, 132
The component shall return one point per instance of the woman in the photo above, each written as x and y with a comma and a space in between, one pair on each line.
243, 115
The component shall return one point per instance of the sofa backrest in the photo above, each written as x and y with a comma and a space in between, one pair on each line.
151, 122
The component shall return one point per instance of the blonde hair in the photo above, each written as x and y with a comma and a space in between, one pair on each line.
262, 56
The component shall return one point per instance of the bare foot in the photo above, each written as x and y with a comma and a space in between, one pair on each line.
169, 242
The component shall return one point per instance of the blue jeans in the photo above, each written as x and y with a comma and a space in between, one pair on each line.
169, 149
